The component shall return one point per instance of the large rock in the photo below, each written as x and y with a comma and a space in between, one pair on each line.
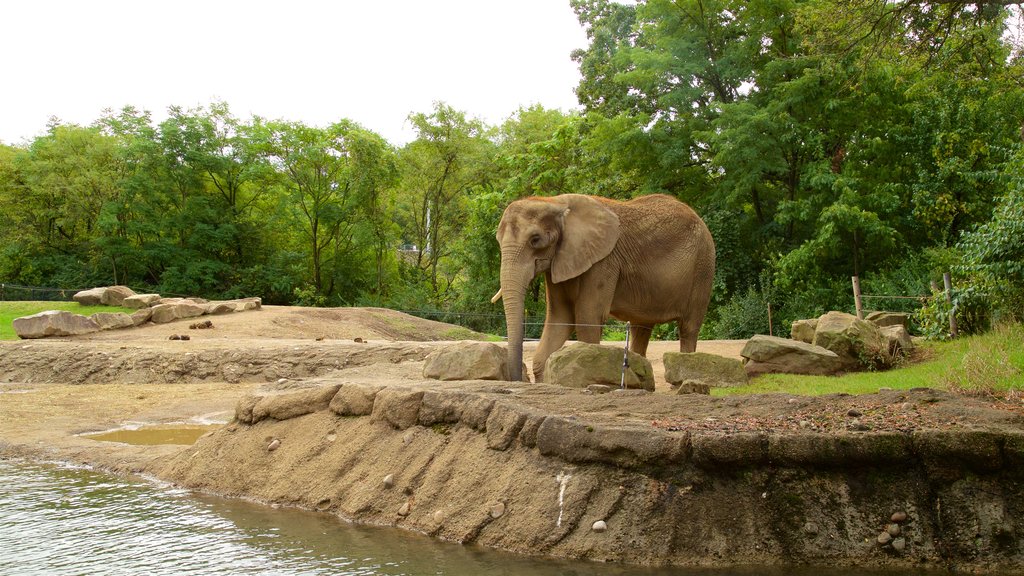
141, 316
164, 313
115, 295
467, 361
708, 369
107, 296
771, 354
883, 319
858, 343
253, 303
898, 340
139, 301
220, 307
54, 323
803, 330
581, 365
112, 320
91, 297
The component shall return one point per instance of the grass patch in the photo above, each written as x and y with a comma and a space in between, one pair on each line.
461, 333
11, 310
987, 364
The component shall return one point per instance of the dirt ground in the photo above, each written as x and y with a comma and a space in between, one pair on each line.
452, 480
53, 390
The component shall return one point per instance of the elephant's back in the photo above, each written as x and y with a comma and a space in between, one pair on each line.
662, 223
667, 261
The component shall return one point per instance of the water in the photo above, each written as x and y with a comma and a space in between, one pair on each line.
59, 520
152, 435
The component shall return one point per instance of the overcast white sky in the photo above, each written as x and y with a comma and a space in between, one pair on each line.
372, 61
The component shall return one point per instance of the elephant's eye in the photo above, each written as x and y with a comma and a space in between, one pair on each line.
536, 240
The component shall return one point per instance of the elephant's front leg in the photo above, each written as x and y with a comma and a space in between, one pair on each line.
556, 332
557, 327
593, 304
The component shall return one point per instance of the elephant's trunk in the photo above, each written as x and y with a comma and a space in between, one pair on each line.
514, 281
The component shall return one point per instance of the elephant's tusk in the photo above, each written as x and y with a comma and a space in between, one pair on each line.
496, 297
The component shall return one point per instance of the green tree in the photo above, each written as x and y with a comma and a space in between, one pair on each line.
331, 175
59, 185
450, 158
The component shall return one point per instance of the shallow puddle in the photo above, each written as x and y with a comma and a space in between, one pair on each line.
184, 434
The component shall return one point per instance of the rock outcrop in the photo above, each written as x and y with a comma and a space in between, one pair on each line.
768, 354
858, 343
113, 320
140, 301
803, 330
54, 323
478, 463
163, 313
883, 319
709, 369
467, 361
149, 308
581, 365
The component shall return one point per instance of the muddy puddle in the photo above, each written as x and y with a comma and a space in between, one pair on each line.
151, 435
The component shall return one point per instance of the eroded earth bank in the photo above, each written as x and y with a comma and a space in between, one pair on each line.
897, 479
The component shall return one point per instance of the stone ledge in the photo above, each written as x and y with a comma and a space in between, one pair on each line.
508, 424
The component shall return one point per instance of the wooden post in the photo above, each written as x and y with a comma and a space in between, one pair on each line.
770, 319
948, 283
856, 298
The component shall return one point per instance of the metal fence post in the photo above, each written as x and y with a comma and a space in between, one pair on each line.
948, 283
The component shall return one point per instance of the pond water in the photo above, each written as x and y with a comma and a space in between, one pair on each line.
60, 520
153, 434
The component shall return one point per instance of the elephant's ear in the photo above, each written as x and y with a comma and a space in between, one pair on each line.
589, 233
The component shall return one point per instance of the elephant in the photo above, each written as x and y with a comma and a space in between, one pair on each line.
646, 261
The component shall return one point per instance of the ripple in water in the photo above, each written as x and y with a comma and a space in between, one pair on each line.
58, 520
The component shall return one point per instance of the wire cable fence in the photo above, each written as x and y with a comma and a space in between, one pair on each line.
18, 293
494, 323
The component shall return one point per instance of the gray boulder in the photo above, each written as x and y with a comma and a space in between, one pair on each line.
190, 310
90, 297
467, 361
581, 365
709, 369
139, 301
220, 307
164, 313
771, 354
141, 316
898, 340
859, 344
803, 330
112, 320
693, 387
54, 323
883, 319
115, 295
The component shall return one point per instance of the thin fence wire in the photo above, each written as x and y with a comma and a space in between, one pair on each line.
19, 293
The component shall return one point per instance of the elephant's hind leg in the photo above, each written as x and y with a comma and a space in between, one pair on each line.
639, 337
688, 336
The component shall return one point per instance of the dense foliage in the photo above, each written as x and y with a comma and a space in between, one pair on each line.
819, 139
